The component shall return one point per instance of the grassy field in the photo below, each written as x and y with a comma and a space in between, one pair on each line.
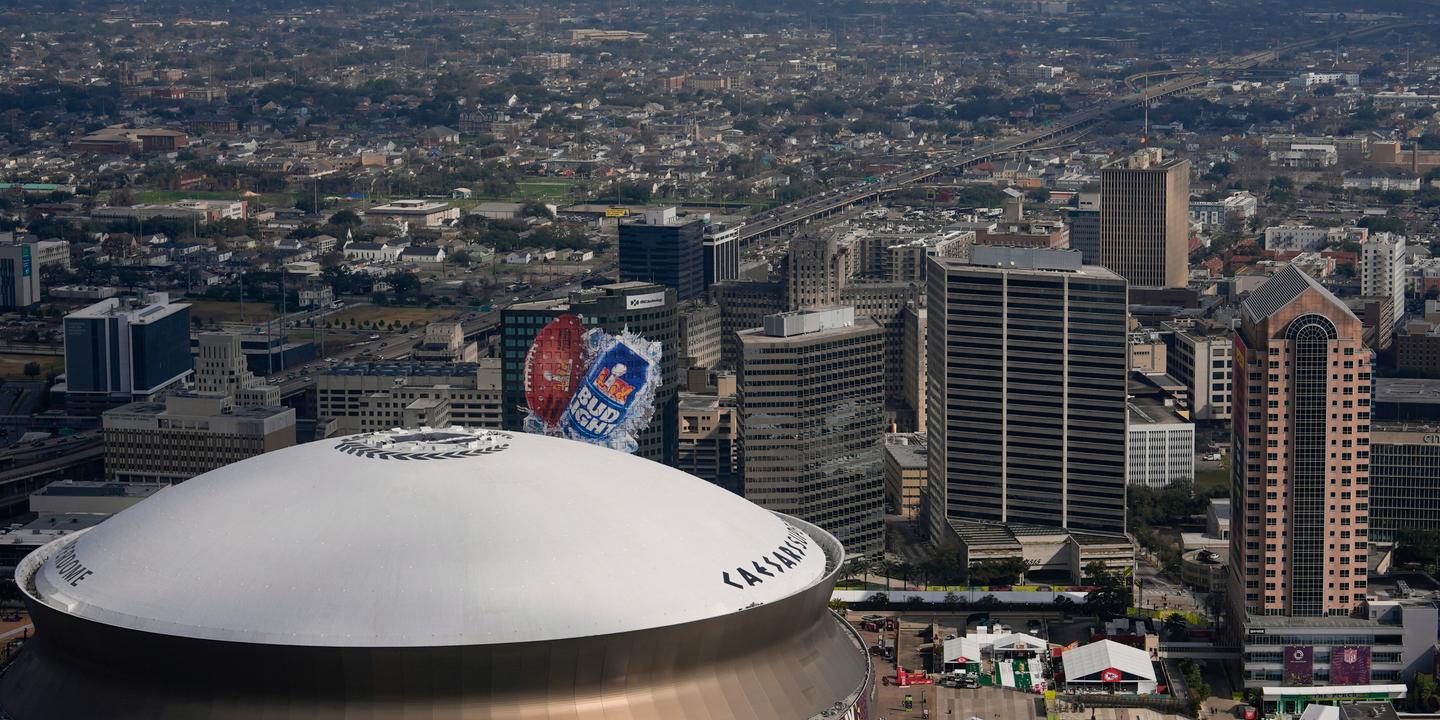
371, 314
12, 366
224, 311
1211, 478
549, 189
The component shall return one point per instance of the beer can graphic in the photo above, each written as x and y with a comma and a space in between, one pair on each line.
616, 397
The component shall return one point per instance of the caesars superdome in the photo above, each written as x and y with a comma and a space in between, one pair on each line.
438, 574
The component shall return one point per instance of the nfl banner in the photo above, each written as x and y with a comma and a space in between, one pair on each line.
1350, 665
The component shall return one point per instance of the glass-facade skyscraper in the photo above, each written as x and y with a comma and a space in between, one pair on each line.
662, 248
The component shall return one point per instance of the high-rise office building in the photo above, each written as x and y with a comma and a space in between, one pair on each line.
1301, 452
120, 350
1304, 609
722, 253
662, 248
744, 305
1145, 219
1382, 274
811, 421
646, 309
813, 277
220, 368
19, 275
1085, 228
885, 303
699, 335
1027, 367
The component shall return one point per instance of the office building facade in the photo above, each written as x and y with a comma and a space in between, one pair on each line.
1300, 462
221, 369
885, 303
813, 277
906, 475
1404, 479
1162, 446
1026, 414
19, 275
120, 350
646, 309
1382, 273
912, 369
1145, 219
1201, 356
363, 397
744, 305
663, 249
709, 435
1085, 234
811, 419
722, 253
699, 335
188, 435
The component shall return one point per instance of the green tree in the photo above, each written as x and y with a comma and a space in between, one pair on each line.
307, 203
1424, 695
1198, 689
1111, 594
346, 218
32, 369
1384, 223
535, 208
1175, 627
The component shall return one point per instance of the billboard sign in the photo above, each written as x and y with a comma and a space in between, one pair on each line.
646, 301
1110, 675
589, 385
1350, 665
1299, 665
616, 212
25, 268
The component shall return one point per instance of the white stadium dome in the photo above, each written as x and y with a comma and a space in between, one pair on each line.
430, 538
450, 574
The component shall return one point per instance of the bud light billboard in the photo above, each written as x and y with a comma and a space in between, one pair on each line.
589, 385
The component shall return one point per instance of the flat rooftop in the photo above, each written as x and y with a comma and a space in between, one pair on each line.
1407, 390
96, 488
147, 409
908, 450
1149, 411
411, 206
42, 530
